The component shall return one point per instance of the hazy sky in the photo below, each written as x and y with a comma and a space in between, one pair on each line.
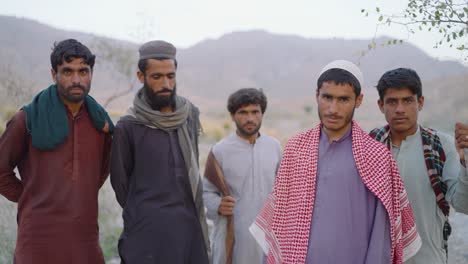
187, 22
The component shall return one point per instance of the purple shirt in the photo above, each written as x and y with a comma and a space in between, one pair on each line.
349, 224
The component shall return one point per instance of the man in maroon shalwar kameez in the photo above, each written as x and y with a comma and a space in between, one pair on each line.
60, 144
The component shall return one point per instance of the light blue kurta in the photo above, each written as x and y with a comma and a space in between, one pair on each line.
429, 218
250, 171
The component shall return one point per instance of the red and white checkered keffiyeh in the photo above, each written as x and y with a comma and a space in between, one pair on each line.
282, 227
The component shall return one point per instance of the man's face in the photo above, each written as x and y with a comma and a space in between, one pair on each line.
248, 119
401, 108
73, 80
159, 81
336, 104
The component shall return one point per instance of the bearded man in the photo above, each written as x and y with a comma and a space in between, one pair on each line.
154, 168
247, 161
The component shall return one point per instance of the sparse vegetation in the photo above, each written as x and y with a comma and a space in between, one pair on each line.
447, 18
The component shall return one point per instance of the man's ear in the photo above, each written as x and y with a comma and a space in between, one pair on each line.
359, 100
54, 75
381, 105
141, 76
421, 103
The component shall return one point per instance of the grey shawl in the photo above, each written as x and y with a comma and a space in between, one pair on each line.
185, 119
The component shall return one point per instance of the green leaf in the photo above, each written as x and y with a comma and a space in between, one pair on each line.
363, 10
380, 18
377, 9
394, 41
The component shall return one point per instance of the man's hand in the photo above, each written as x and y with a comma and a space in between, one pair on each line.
226, 208
461, 138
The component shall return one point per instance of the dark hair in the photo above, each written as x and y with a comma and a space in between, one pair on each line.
143, 64
401, 78
69, 49
246, 96
339, 76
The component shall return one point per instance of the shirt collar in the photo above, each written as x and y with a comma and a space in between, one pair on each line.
346, 135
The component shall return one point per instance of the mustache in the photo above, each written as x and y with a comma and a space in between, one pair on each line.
165, 90
333, 116
79, 86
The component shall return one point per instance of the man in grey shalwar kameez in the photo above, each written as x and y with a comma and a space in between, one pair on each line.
154, 168
248, 161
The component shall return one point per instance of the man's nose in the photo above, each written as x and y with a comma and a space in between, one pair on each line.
400, 108
76, 79
167, 83
333, 107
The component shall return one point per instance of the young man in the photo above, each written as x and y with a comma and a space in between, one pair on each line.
154, 168
338, 196
248, 161
60, 144
427, 160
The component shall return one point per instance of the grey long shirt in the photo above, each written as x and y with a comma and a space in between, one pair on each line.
429, 218
249, 171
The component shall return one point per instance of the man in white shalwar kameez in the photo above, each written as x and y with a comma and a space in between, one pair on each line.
246, 163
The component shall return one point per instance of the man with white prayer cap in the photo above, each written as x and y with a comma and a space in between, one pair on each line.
338, 196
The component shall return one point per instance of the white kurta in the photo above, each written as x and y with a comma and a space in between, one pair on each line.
249, 171
429, 218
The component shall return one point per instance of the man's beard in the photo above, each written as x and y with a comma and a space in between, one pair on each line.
346, 119
244, 132
157, 101
65, 93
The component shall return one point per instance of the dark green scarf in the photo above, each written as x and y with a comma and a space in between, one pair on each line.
47, 122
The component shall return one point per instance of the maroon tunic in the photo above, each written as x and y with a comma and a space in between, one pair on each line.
58, 192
